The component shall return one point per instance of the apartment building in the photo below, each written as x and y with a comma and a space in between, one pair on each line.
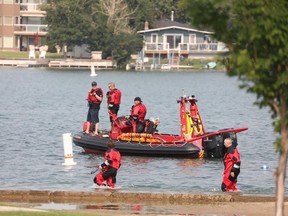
21, 24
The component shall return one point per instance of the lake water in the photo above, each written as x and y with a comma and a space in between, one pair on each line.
38, 105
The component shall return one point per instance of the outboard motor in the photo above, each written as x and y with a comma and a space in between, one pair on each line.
214, 145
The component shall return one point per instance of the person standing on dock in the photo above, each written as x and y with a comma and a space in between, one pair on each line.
113, 101
95, 96
232, 164
109, 167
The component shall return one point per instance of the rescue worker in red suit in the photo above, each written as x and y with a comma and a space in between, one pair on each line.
232, 164
113, 101
137, 116
95, 96
109, 167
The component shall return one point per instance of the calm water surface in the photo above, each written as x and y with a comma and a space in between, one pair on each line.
38, 105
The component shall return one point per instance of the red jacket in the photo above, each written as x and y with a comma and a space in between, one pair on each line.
112, 158
231, 161
139, 111
91, 96
114, 97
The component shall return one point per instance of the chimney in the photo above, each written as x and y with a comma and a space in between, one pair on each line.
146, 25
172, 15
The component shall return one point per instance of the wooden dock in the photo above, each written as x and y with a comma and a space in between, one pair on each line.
58, 63
22, 63
77, 63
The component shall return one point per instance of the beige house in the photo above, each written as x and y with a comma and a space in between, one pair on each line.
21, 24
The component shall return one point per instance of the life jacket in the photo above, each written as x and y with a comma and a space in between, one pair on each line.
91, 97
113, 157
232, 161
139, 110
114, 96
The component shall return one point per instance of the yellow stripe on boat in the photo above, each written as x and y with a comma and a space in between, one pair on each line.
139, 137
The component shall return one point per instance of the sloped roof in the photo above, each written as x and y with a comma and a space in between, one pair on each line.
169, 24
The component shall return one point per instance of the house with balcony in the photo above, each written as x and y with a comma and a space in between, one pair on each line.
170, 38
21, 24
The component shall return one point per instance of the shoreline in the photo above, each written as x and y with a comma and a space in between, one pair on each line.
112, 195
86, 64
113, 202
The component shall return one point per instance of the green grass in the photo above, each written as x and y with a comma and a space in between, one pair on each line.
200, 63
24, 55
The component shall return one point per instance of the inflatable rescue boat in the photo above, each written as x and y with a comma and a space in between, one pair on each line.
192, 142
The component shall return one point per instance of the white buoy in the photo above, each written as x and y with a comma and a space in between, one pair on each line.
264, 167
68, 150
93, 71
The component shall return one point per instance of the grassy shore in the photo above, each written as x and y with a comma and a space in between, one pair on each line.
24, 55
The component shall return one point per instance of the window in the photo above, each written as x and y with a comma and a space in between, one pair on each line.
0, 42
0, 20
154, 38
8, 20
173, 41
7, 42
192, 38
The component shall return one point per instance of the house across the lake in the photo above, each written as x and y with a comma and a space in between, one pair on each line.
170, 38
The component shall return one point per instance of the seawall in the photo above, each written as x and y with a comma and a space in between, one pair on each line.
114, 196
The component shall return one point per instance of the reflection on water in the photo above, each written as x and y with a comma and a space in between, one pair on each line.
191, 163
137, 209
38, 105
115, 208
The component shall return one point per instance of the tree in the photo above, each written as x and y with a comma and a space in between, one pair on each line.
101, 36
100, 23
117, 13
144, 11
150, 10
69, 24
256, 34
124, 45
164, 8
113, 35
103, 25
